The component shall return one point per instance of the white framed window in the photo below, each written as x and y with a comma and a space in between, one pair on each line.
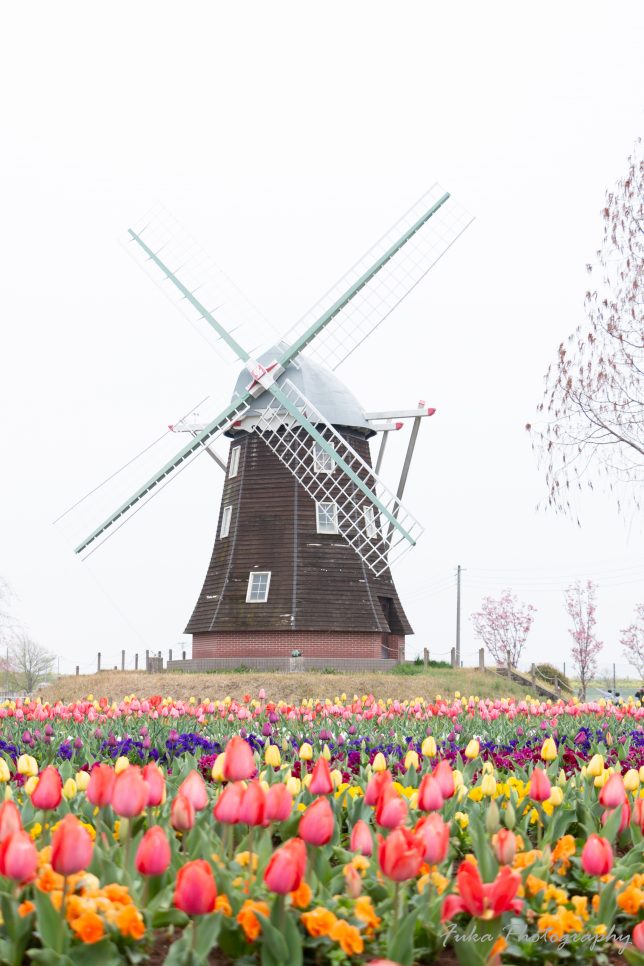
258, 584
226, 515
370, 522
322, 462
327, 517
233, 466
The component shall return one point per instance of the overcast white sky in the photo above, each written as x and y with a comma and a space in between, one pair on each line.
287, 137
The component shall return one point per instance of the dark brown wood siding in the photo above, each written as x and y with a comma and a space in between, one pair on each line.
318, 582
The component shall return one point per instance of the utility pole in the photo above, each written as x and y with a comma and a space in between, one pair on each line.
458, 616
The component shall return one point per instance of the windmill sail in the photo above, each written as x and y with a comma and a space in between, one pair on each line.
357, 502
356, 305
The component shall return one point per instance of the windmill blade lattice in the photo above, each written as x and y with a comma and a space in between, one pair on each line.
440, 220
374, 523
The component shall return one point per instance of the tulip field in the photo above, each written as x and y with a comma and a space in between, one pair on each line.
346, 830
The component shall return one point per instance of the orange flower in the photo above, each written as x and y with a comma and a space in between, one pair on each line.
129, 922
89, 927
223, 905
301, 897
580, 905
25, 908
562, 852
364, 911
74, 907
319, 922
523, 859
631, 900
48, 880
117, 894
248, 920
499, 946
347, 936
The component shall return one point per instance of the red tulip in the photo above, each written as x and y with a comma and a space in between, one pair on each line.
638, 814
540, 787
321, 781
18, 857
391, 810
194, 787
239, 763
505, 846
638, 935
71, 847
182, 814
10, 821
612, 794
401, 855
153, 854
361, 840
195, 891
483, 901
101, 785
434, 833
49, 791
376, 786
253, 804
286, 869
445, 777
130, 793
430, 796
155, 780
317, 822
625, 819
597, 856
228, 804
279, 803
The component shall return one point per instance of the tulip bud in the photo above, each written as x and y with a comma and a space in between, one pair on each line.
361, 840
70, 789
556, 796
306, 751
294, 786
82, 780
505, 846
549, 750
352, 882
153, 854
595, 766
597, 856
272, 756
492, 817
562, 781
613, 793
5, 774
428, 747
286, 868
379, 763
71, 847
182, 813
30, 785
27, 766
472, 750
317, 823
540, 787
217, 773
638, 937
488, 786
411, 760
121, 764
195, 891
326, 753
510, 817
631, 780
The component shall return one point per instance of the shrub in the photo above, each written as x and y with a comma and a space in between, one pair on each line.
550, 673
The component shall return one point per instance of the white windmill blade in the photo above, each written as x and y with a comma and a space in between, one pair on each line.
407, 251
367, 515
160, 232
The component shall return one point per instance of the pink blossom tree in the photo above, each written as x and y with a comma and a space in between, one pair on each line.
632, 640
581, 607
503, 625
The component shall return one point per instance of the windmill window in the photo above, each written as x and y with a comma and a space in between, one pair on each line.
323, 462
327, 517
370, 522
225, 522
258, 584
234, 462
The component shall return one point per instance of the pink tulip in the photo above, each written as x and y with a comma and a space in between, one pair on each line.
130, 793
613, 793
239, 763
253, 804
317, 823
321, 781
434, 834
391, 810
18, 857
228, 804
597, 856
279, 804
376, 786
153, 854
48, 792
194, 787
182, 814
155, 780
540, 788
505, 846
286, 868
101, 785
361, 840
445, 777
10, 820
625, 819
71, 847
430, 796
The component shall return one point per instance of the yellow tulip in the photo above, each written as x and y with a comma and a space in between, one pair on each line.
549, 750
462, 818
413, 801
326, 753
8, 794
264, 785
272, 756
488, 768
30, 785
306, 752
411, 759
5, 774
306, 781
641, 774
82, 780
458, 778
336, 777
488, 785
428, 747
121, 764
596, 765
217, 771
473, 749
556, 795
379, 763
27, 766
70, 789
631, 780
294, 786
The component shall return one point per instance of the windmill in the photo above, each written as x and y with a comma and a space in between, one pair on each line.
307, 529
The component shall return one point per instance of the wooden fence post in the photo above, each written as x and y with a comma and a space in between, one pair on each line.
147, 660
122, 660
481, 658
169, 654
183, 656
98, 664
453, 657
136, 661
77, 670
426, 657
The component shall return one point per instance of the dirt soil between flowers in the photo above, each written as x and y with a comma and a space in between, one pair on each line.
117, 685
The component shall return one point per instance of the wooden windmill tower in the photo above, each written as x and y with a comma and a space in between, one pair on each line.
307, 530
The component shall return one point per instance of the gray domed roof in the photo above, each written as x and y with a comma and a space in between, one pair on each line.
320, 386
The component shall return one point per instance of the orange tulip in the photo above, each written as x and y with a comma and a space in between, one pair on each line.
195, 891
597, 856
101, 785
194, 787
130, 793
286, 868
49, 791
239, 763
321, 781
10, 820
18, 857
638, 814
317, 823
540, 787
153, 854
401, 855
434, 833
71, 847
182, 814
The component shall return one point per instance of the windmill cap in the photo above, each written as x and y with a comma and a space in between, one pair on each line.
321, 387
